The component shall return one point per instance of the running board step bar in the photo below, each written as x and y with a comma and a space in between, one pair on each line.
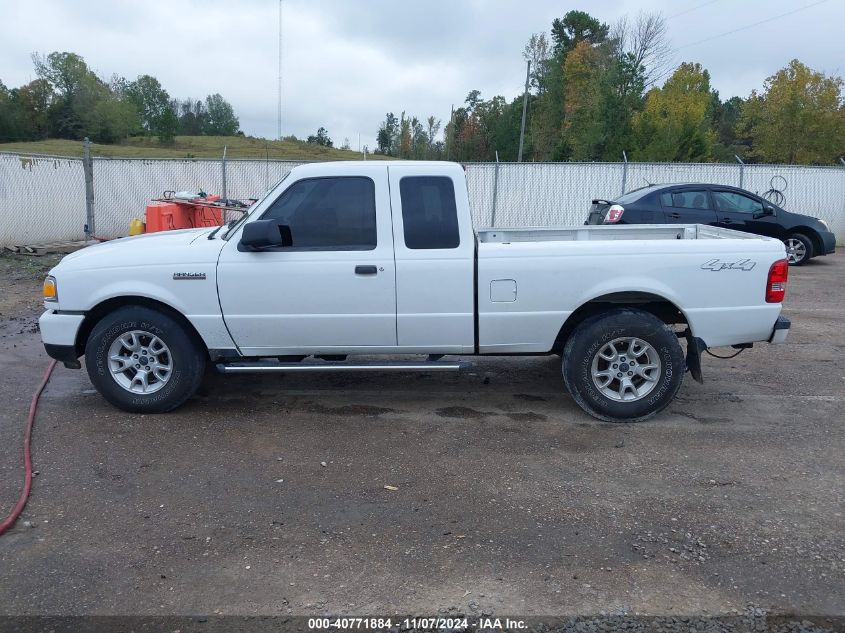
270, 367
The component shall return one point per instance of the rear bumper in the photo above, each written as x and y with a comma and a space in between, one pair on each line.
780, 331
829, 242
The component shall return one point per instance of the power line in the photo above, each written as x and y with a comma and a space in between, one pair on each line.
748, 26
691, 9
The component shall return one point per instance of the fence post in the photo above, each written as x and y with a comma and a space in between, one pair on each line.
624, 171
495, 192
223, 166
88, 171
741, 170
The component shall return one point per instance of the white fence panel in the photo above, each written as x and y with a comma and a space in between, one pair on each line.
42, 199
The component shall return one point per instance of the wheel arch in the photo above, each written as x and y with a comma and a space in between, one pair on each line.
812, 235
661, 307
107, 306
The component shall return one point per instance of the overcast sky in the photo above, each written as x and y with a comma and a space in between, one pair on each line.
346, 63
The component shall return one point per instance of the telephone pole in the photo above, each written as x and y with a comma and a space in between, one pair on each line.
279, 104
524, 111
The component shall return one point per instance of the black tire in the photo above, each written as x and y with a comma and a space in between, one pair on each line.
594, 335
806, 242
185, 355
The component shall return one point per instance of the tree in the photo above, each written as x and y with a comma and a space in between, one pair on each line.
64, 71
321, 138
645, 41
387, 137
799, 118
574, 27
674, 124
220, 117
583, 130
538, 53
152, 104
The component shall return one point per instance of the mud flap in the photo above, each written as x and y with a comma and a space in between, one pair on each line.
694, 348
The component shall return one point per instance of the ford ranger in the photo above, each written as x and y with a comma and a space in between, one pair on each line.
341, 263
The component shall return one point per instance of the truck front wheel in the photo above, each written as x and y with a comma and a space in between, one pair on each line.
143, 361
623, 366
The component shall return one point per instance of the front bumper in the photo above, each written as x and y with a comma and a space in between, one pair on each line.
58, 333
829, 242
780, 331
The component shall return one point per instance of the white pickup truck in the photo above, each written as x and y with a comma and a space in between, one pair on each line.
341, 261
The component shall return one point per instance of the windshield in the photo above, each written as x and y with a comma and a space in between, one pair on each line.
248, 214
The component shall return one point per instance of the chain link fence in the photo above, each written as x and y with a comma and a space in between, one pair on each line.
42, 198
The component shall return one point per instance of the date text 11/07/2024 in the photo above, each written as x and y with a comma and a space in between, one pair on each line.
421, 623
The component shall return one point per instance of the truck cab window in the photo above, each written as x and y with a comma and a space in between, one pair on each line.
328, 213
429, 213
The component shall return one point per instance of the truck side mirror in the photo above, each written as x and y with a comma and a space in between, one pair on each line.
262, 234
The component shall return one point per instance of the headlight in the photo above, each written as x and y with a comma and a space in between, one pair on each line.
824, 224
51, 293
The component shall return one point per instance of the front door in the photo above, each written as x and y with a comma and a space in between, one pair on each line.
741, 212
334, 290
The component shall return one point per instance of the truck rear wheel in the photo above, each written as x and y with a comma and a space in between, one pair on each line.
143, 361
623, 366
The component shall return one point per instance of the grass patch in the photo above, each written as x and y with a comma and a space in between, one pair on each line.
192, 147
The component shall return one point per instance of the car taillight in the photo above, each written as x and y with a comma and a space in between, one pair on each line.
776, 283
614, 214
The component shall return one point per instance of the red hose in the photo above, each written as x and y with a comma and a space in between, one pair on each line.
27, 458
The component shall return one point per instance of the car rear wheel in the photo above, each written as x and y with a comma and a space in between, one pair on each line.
623, 366
144, 361
799, 249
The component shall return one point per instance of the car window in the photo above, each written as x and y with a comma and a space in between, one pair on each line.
736, 202
328, 213
429, 213
685, 199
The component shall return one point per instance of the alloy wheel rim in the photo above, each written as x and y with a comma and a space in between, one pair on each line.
795, 250
140, 362
626, 369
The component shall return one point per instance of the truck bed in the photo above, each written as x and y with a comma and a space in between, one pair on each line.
605, 233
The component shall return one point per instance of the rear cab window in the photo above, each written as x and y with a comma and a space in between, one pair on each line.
429, 212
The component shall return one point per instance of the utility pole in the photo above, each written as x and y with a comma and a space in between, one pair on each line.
524, 111
279, 104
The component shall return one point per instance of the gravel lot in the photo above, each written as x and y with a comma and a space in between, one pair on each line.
266, 495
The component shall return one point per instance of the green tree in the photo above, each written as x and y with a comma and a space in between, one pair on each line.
388, 134
220, 117
574, 27
151, 101
674, 124
799, 117
321, 138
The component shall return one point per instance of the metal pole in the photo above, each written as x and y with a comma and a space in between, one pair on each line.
279, 104
223, 167
741, 170
88, 171
524, 112
624, 171
495, 191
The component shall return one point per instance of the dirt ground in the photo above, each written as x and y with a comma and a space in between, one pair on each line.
266, 495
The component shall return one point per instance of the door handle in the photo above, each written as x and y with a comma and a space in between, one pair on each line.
674, 216
366, 270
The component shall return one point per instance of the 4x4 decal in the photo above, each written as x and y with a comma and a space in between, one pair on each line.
717, 265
